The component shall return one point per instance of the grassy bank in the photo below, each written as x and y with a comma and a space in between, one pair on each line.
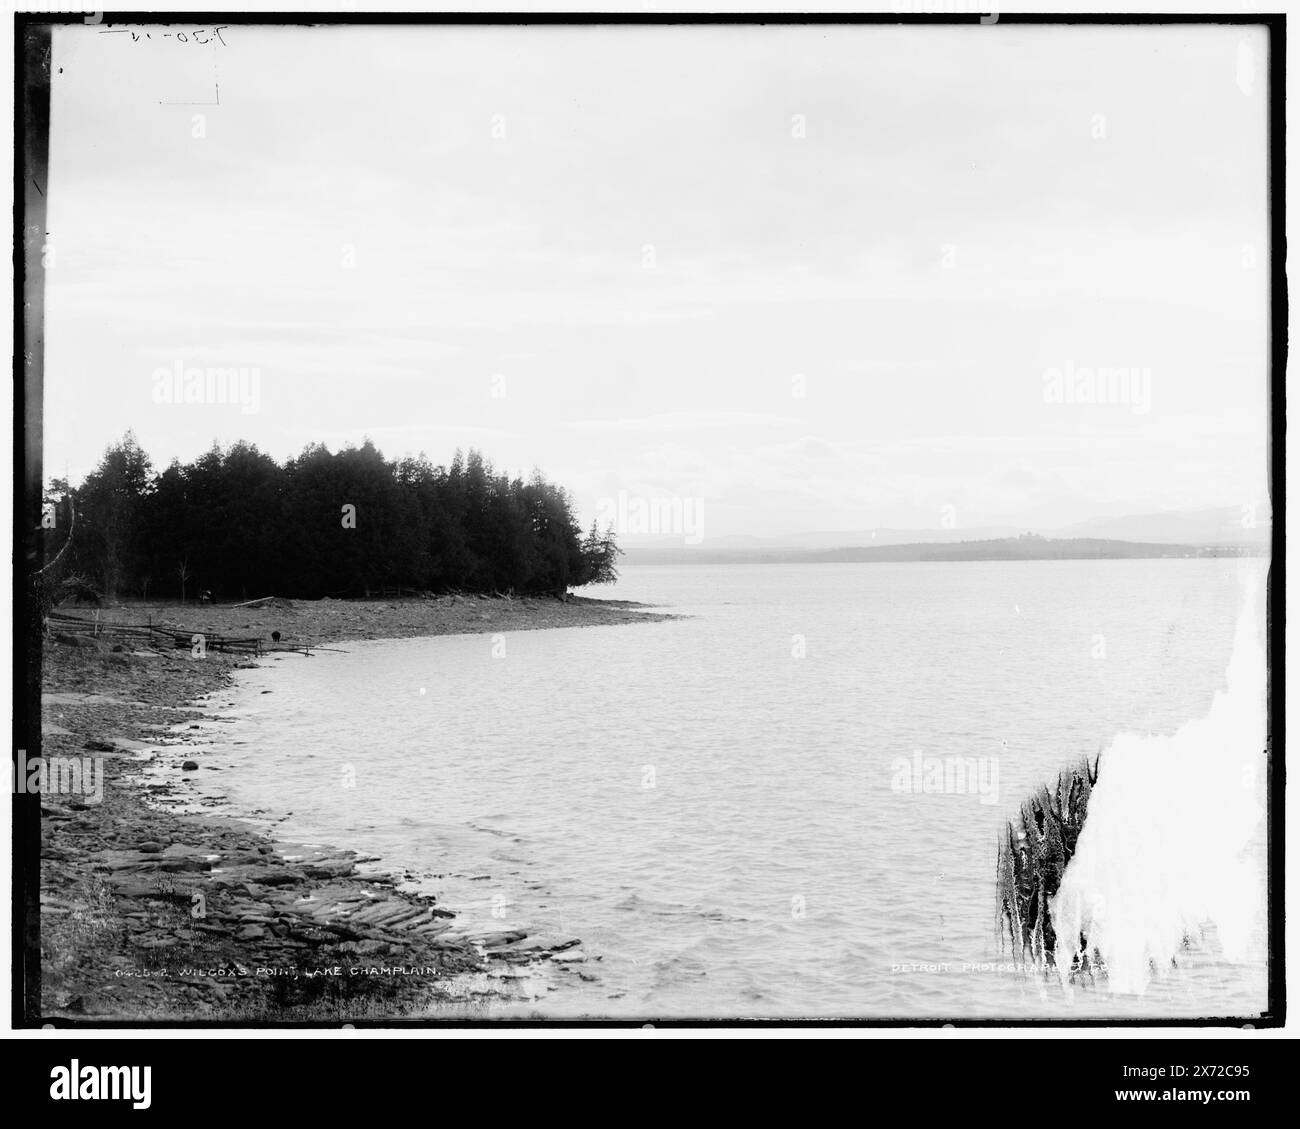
1033, 853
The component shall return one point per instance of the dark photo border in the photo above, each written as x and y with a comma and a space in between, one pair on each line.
32, 79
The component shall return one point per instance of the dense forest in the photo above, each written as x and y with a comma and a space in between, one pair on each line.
240, 525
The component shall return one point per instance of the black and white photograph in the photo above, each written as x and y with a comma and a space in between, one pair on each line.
648, 520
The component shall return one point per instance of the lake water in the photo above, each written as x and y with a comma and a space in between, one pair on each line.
718, 805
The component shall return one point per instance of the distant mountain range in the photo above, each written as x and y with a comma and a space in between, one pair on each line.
1184, 533
1223, 526
1028, 547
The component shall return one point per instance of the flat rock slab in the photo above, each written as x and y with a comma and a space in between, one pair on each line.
542, 943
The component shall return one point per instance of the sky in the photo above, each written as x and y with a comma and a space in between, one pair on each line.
802, 278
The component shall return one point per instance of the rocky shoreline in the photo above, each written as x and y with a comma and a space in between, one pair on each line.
154, 914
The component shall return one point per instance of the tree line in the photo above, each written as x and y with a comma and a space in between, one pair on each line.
238, 524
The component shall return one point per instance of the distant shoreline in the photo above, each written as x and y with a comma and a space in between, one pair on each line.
318, 623
1027, 548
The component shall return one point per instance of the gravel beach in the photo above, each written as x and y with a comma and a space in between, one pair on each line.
149, 913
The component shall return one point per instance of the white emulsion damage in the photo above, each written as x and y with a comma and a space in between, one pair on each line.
1173, 840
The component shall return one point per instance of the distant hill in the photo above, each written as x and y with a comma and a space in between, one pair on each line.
1228, 526
1231, 525
1028, 547
844, 539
